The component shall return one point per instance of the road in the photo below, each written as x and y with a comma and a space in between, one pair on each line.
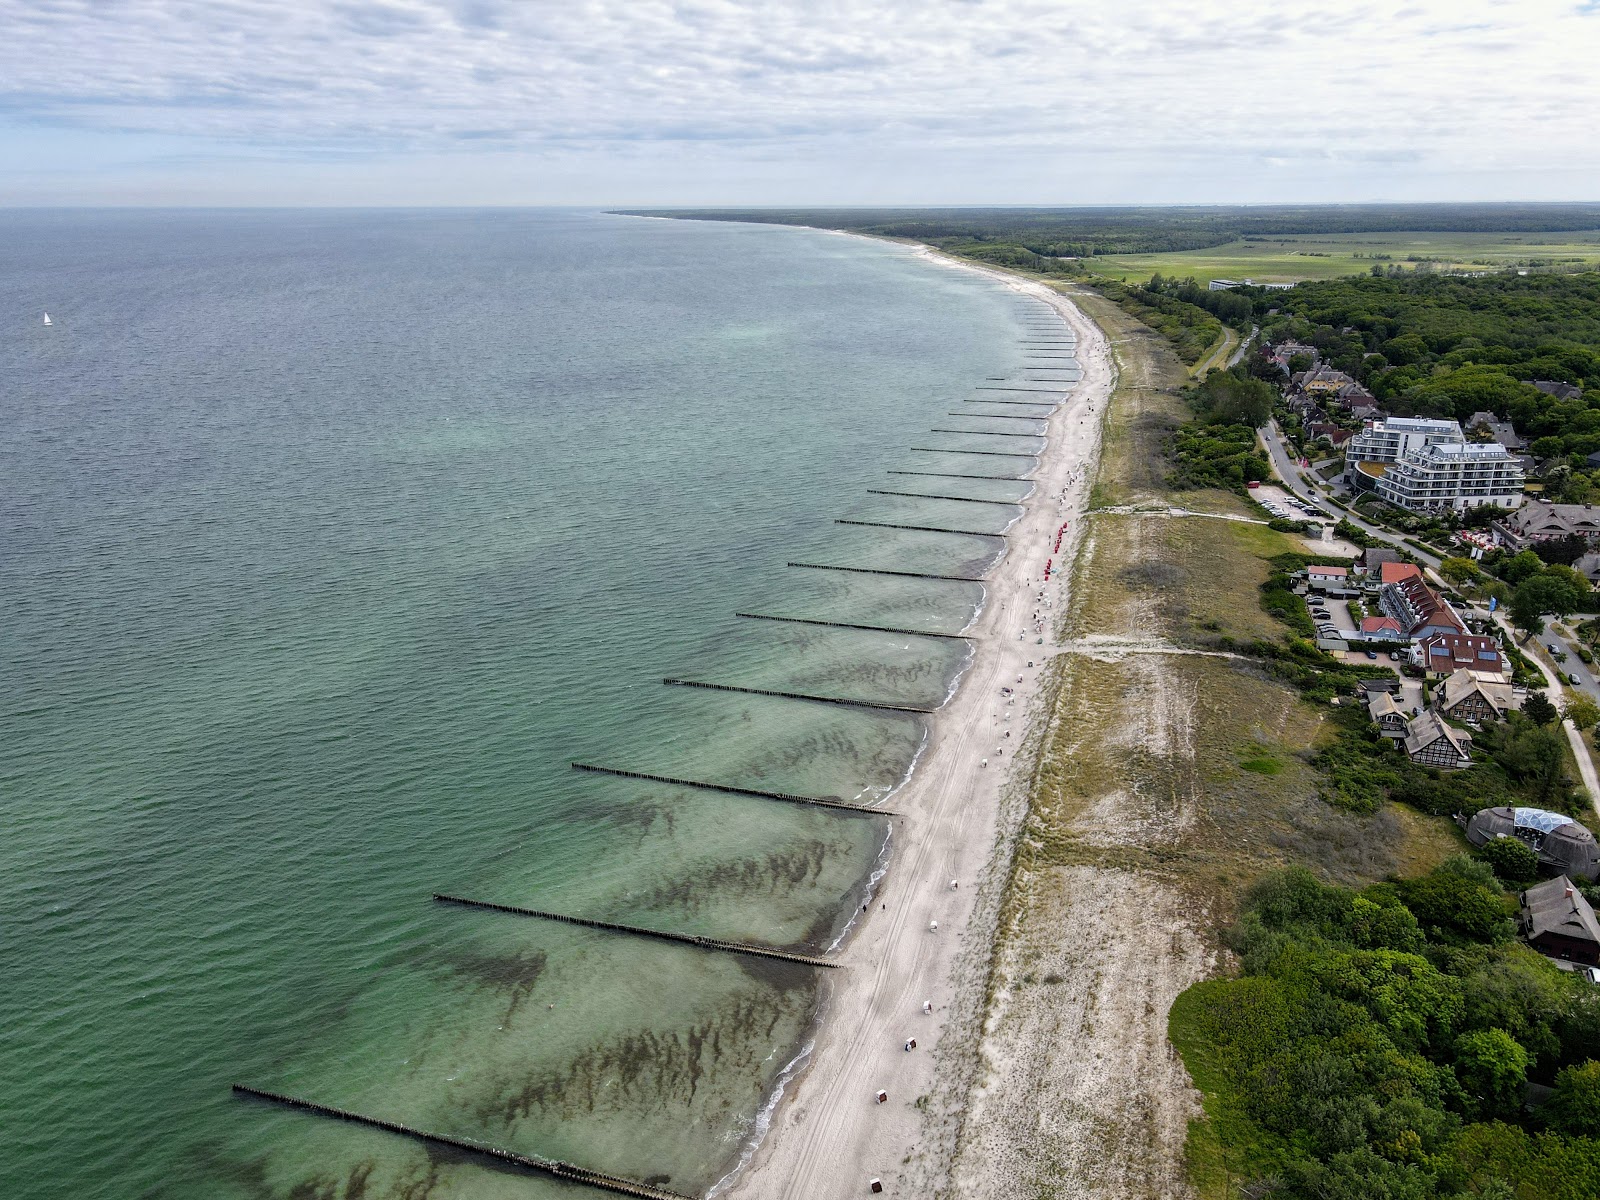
1244, 345
1539, 657
1219, 356
1299, 481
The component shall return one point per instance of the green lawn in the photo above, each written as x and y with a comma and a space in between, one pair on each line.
1290, 259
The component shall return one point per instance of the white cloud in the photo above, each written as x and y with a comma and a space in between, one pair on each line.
1054, 99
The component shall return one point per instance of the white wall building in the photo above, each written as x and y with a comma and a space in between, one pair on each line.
1392, 439
1417, 463
1453, 475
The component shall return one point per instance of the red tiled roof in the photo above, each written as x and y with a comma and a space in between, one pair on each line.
1394, 572
1380, 625
1448, 652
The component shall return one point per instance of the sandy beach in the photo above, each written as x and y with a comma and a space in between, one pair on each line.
829, 1136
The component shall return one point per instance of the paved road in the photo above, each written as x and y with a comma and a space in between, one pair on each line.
1244, 345
1299, 481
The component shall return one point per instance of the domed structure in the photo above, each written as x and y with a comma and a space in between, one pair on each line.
1564, 847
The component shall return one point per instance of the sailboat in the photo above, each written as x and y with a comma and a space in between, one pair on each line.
47, 320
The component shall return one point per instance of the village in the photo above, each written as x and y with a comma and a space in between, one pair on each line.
1452, 666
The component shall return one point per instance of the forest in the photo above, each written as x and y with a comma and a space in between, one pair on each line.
1024, 236
1443, 346
1380, 1044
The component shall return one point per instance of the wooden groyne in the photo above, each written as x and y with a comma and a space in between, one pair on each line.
919, 528
985, 453
987, 432
687, 939
947, 475
847, 625
996, 416
545, 1166
726, 789
1035, 391
755, 691
925, 496
1051, 404
880, 571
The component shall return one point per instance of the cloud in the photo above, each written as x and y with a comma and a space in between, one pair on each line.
1445, 85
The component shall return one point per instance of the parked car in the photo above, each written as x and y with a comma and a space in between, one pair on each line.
1591, 974
1253, 484
1373, 655
1572, 677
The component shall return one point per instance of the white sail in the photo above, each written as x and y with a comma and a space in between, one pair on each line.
47, 320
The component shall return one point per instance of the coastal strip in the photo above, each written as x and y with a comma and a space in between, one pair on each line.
903, 1021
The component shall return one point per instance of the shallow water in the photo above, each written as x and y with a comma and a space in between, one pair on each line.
329, 540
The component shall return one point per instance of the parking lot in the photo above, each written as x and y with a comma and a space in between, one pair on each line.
1280, 503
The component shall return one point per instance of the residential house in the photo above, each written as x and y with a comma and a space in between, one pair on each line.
1336, 435
1381, 629
1324, 381
1431, 743
1352, 395
1417, 608
1442, 654
1324, 578
1284, 351
1544, 522
1387, 715
1499, 431
1383, 683
1561, 391
1564, 847
1474, 696
1371, 559
1555, 919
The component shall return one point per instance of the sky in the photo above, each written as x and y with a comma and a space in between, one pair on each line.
650, 102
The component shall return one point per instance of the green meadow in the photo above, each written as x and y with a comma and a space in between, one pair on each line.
1291, 258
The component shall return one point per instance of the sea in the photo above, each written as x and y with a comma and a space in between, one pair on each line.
329, 541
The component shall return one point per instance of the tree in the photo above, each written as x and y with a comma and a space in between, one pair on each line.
1518, 567
1514, 861
1538, 709
1582, 712
1493, 1069
1459, 570
1574, 1104
1527, 612
1555, 590
1564, 550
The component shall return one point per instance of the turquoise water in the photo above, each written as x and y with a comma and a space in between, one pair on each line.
328, 540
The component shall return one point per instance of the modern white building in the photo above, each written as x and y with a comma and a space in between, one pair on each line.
1391, 439
1418, 463
1453, 475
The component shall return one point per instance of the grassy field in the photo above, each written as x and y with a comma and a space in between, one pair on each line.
1291, 259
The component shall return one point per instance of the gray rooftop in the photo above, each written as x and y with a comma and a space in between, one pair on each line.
1549, 908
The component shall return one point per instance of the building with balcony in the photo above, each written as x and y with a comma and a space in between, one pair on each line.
1458, 475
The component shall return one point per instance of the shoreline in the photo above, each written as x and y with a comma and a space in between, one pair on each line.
824, 1133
